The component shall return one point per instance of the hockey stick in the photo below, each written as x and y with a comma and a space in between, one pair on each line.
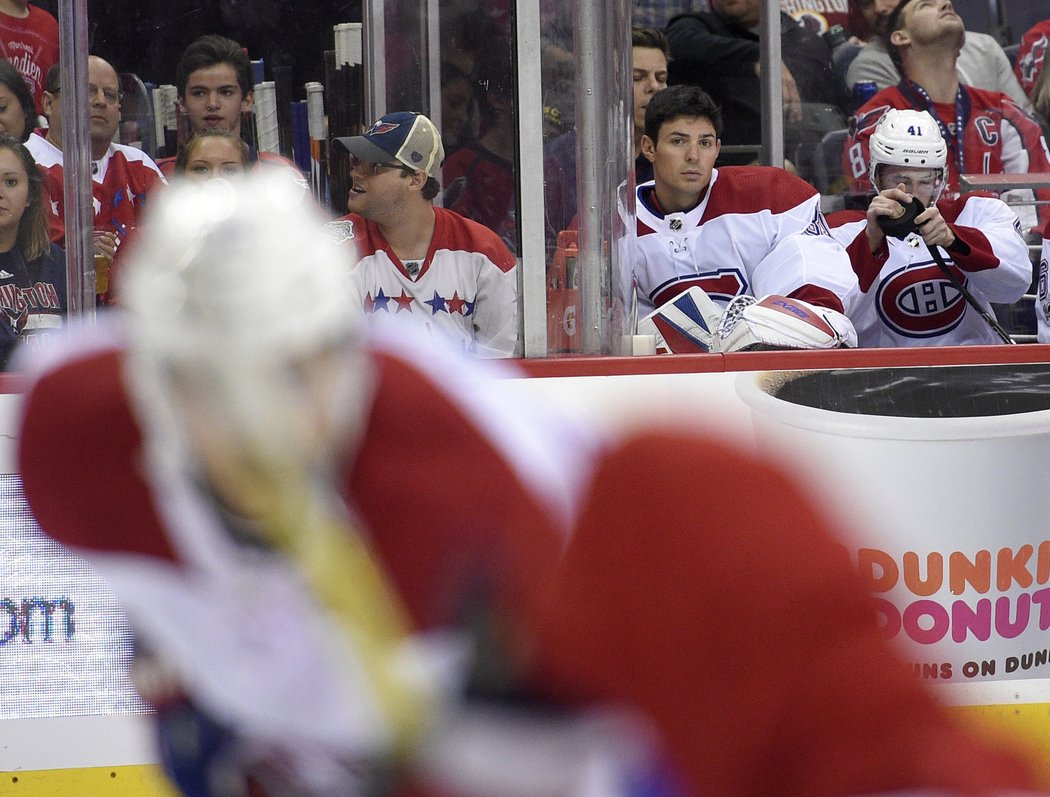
970, 300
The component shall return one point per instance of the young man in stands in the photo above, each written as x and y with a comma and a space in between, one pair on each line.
121, 176
986, 131
454, 275
736, 232
649, 56
214, 85
982, 62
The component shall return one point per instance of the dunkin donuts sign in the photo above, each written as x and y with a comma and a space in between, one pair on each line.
937, 473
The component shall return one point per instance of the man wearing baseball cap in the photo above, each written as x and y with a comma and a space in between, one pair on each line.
448, 272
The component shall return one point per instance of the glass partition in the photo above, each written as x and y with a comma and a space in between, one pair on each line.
507, 84
533, 103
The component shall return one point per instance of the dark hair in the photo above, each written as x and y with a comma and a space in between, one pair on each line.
186, 151
893, 24
16, 83
53, 80
676, 101
650, 37
212, 50
32, 240
431, 188
493, 77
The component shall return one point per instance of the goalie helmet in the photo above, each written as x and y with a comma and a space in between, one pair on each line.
907, 138
234, 294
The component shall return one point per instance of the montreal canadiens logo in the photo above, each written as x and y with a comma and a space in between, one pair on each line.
920, 302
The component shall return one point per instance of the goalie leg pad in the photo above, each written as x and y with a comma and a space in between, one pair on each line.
684, 325
779, 322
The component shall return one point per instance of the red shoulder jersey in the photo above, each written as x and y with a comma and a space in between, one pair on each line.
997, 137
31, 45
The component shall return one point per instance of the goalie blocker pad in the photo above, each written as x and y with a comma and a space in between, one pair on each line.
779, 322
684, 325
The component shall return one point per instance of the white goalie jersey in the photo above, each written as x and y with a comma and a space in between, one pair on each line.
757, 231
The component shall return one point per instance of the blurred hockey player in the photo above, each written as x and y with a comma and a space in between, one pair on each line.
232, 421
751, 231
906, 297
353, 568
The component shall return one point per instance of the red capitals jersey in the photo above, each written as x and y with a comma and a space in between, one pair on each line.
31, 45
121, 179
906, 300
997, 137
480, 185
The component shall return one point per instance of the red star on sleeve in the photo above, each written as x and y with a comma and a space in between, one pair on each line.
455, 304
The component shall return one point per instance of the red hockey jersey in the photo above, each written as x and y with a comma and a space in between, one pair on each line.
986, 133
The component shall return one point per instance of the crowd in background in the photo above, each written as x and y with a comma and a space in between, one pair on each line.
835, 56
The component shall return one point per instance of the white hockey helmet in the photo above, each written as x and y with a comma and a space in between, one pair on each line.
907, 138
232, 292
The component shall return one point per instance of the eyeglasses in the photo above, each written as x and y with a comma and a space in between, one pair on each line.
372, 169
112, 96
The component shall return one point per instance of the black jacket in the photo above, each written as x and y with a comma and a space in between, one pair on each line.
721, 58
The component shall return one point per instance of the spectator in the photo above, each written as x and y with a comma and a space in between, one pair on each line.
451, 273
17, 108
209, 154
1031, 58
32, 269
214, 84
121, 176
649, 67
718, 51
820, 16
986, 131
479, 178
731, 231
213, 152
906, 299
440, 565
867, 19
29, 40
981, 63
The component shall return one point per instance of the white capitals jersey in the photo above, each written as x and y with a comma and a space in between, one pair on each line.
906, 300
758, 230
1042, 301
464, 289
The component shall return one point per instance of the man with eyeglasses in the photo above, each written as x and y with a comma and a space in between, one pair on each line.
417, 261
121, 176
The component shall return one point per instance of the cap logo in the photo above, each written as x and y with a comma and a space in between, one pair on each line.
380, 128
416, 157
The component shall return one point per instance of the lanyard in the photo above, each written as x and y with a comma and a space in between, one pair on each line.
917, 95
